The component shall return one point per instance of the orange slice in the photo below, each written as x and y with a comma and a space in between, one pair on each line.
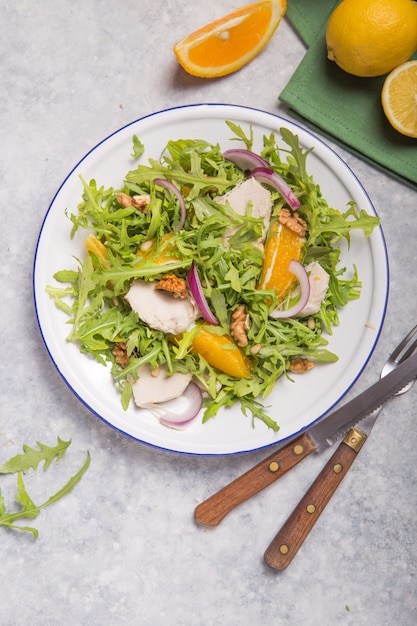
221, 352
230, 42
94, 245
399, 98
282, 246
167, 255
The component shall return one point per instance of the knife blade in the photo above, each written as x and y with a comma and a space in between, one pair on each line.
330, 429
315, 439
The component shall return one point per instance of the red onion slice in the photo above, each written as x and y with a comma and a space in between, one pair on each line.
245, 159
167, 184
299, 270
269, 177
196, 289
180, 412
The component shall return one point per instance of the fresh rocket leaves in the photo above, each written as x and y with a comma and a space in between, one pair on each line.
21, 464
133, 244
31, 458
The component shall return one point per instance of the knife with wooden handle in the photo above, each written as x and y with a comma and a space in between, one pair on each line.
214, 509
317, 438
289, 539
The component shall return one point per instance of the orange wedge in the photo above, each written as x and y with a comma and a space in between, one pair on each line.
221, 352
282, 246
399, 98
94, 245
165, 256
230, 42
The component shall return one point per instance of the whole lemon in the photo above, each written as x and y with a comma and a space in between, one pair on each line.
372, 37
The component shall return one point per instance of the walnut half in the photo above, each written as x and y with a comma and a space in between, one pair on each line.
120, 353
239, 325
177, 286
299, 365
293, 221
140, 202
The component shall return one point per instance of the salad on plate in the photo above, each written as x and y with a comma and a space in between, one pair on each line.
209, 275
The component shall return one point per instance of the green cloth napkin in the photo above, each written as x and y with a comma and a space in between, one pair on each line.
345, 108
308, 16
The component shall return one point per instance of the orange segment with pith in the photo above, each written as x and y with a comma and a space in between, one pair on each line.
97, 247
225, 45
164, 253
282, 246
221, 352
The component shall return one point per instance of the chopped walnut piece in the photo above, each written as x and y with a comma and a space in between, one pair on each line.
239, 325
293, 221
120, 353
299, 365
177, 286
141, 202
124, 199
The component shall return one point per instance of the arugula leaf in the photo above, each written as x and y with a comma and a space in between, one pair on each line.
138, 147
31, 457
29, 508
240, 134
20, 464
299, 156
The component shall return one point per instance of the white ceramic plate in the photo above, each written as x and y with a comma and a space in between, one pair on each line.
295, 405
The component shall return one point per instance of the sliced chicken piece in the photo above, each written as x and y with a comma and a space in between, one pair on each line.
319, 283
160, 310
153, 389
249, 198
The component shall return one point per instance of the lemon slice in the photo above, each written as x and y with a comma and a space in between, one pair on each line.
399, 98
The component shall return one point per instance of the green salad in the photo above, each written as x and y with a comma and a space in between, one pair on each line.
172, 228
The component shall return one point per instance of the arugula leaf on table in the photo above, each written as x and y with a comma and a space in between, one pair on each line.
31, 457
21, 464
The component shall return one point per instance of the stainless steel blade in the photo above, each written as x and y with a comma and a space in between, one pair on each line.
326, 432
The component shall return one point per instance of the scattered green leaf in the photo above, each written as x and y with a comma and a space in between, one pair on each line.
20, 464
138, 148
31, 457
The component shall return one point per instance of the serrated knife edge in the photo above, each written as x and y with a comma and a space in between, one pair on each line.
336, 424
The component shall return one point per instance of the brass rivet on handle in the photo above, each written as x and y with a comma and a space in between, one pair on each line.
298, 449
311, 508
274, 466
337, 468
283, 549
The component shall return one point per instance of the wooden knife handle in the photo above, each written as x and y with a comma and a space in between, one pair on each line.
214, 509
290, 538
